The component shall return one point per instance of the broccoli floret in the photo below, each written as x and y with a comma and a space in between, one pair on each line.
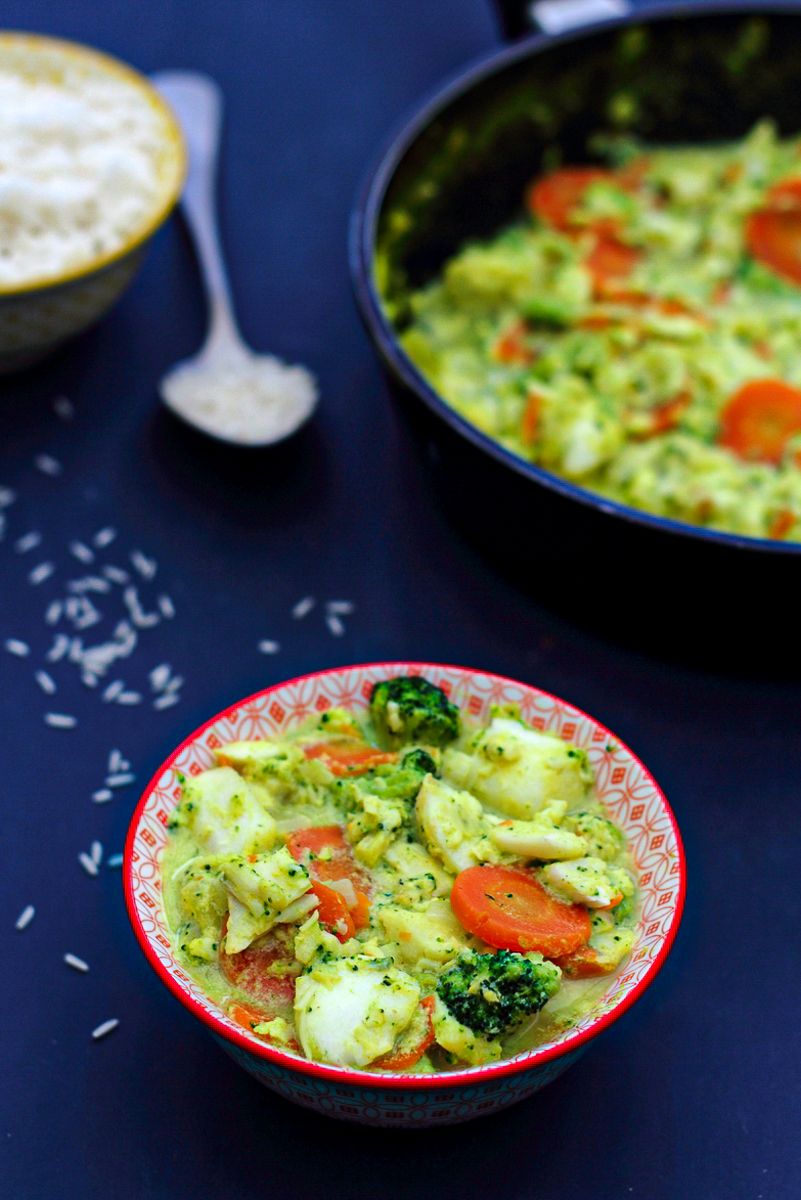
401, 781
419, 760
410, 709
491, 993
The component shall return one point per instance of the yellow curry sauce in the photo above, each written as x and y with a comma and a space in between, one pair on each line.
399, 891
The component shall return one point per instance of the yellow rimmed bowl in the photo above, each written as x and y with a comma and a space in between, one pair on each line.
38, 315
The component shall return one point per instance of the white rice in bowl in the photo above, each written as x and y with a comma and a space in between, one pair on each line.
88, 159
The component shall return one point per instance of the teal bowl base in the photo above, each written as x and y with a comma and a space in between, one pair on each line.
412, 1108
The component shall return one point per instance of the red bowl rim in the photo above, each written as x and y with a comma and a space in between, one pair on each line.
343, 1075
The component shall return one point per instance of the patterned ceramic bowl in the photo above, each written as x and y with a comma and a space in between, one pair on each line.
38, 316
628, 791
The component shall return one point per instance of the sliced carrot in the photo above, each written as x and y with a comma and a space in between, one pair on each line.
246, 1016
253, 970
333, 911
326, 855
412, 1045
781, 525
348, 757
582, 963
609, 261
666, 306
529, 426
773, 232
597, 320
249, 1017
631, 176
666, 417
361, 912
553, 197
722, 293
510, 348
760, 419
511, 910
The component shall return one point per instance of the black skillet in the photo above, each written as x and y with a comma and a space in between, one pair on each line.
456, 170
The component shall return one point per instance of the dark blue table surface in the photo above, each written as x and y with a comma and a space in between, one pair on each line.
695, 1092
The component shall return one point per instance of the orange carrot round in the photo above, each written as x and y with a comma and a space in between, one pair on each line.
511, 910
349, 757
760, 418
411, 1049
773, 232
554, 197
326, 855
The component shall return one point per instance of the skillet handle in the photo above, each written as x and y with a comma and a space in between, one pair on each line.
555, 16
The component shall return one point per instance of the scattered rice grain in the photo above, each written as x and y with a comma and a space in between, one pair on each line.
76, 963
96, 852
335, 626
53, 612
104, 537
268, 647
120, 780
102, 795
303, 607
17, 647
46, 682
104, 1029
342, 607
86, 614
166, 701
28, 541
115, 860
113, 690
41, 573
167, 607
61, 644
7, 496
146, 567
129, 698
89, 865
140, 618
60, 720
25, 917
89, 583
159, 676
82, 552
47, 464
116, 574
63, 408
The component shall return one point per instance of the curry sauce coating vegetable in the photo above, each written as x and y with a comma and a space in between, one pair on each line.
637, 331
399, 781
410, 709
338, 897
492, 993
519, 770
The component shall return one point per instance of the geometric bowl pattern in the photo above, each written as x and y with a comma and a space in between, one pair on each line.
625, 787
34, 323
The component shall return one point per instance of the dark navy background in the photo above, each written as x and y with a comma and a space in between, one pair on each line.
695, 1092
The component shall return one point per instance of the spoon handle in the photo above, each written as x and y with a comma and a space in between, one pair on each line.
197, 102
